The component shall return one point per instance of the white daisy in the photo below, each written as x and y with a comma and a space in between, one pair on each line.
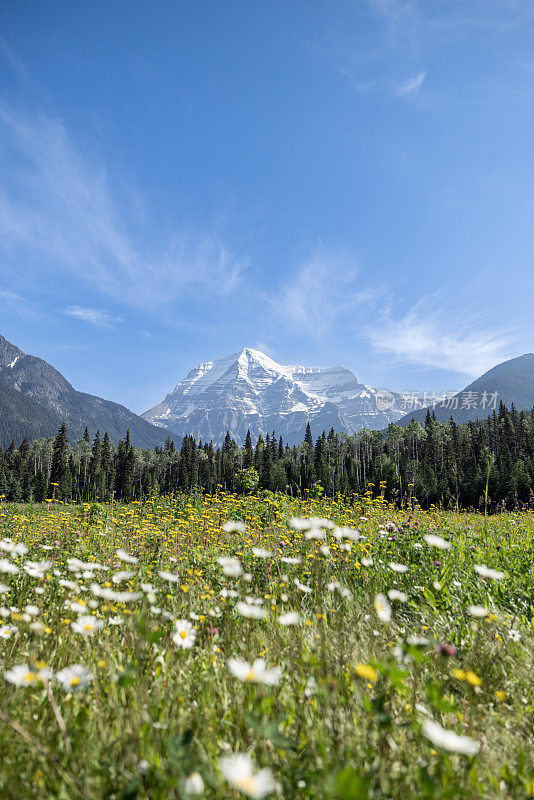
290, 618
122, 575
8, 567
487, 572
74, 678
382, 608
168, 576
230, 566
234, 526
477, 611
299, 524
6, 631
249, 611
184, 635
395, 594
239, 772
124, 556
68, 584
449, 740
22, 675
228, 592
255, 673
193, 784
86, 625
436, 541
302, 586
261, 552
397, 567
315, 533
347, 533
115, 597
16, 548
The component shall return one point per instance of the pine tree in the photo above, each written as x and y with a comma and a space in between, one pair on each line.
58, 472
248, 458
169, 446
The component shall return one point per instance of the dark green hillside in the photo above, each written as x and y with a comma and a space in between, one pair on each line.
19, 417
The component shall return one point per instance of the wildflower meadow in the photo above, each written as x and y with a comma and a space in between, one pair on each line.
231, 646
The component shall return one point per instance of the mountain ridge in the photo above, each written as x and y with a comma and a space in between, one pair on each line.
511, 381
36, 398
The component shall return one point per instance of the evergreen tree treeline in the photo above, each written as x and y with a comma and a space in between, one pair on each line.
439, 463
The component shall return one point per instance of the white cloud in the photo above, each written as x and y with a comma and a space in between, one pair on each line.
434, 335
412, 85
92, 315
386, 85
60, 209
322, 290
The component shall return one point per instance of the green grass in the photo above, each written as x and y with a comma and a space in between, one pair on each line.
346, 719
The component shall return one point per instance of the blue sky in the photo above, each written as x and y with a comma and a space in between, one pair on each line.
331, 181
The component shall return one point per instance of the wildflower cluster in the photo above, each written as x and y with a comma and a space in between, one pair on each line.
255, 645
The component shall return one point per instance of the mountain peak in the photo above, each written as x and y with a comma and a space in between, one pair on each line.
250, 390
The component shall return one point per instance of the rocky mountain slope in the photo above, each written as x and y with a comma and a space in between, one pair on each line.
248, 390
35, 399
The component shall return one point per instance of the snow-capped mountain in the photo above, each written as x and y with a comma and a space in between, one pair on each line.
248, 390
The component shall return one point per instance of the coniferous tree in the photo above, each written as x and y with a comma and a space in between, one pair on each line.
59, 470
248, 458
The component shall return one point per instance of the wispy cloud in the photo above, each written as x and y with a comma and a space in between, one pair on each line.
430, 334
322, 290
412, 85
10, 56
264, 348
18, 304
409, 21
386, 85
395, 9
93, 315
57, 206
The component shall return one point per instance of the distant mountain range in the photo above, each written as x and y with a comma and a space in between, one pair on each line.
249, 391
243, 391
35, 399
511, 382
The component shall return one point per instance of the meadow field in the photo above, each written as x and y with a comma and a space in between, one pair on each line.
249, 646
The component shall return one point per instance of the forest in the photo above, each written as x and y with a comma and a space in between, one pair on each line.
484, 463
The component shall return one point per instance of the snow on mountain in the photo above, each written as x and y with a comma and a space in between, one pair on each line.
248, 390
